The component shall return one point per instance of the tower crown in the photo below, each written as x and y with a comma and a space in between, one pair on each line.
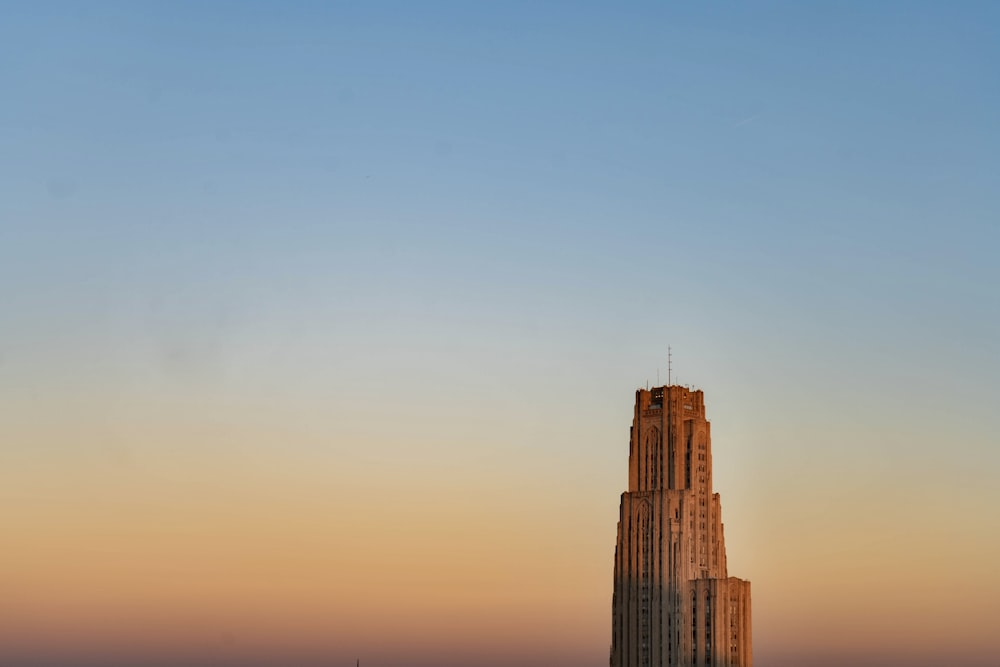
670, 445
674, 396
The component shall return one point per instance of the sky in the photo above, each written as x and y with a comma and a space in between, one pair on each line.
320, 323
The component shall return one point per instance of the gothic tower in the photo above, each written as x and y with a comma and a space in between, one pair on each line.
674, 603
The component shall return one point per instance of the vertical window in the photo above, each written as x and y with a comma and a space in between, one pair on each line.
654, 446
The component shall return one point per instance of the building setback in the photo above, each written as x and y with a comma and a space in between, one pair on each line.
674, 603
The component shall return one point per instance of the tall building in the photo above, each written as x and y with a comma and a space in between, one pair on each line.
674, 602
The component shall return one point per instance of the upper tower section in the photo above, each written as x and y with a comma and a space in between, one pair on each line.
670, 445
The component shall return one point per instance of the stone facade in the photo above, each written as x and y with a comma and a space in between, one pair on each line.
674, 603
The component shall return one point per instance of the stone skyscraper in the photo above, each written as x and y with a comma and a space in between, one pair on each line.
674, 603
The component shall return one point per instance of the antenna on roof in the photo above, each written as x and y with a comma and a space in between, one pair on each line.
669, 365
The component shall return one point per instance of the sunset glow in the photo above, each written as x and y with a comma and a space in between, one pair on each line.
321, 324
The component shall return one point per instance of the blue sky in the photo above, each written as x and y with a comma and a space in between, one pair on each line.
800, 180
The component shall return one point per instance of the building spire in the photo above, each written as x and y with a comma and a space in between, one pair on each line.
669, 366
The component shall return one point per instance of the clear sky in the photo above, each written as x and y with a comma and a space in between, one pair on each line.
320, 323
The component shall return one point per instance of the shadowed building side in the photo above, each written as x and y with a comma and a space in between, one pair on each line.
674, 603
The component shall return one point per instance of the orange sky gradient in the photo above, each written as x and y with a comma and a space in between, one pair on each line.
252, 542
